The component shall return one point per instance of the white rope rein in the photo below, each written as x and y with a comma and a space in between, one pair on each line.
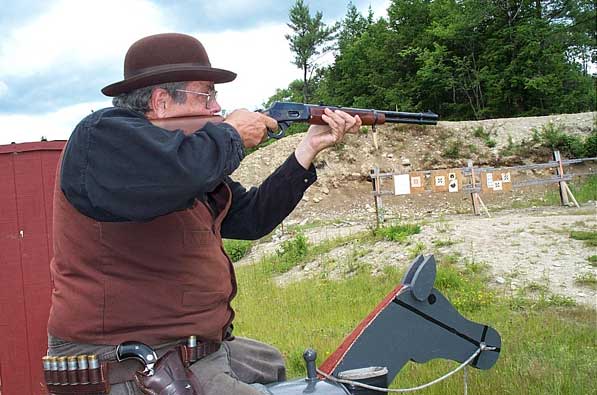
482, 347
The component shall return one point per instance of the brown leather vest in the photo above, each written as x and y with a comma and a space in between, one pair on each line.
152, 282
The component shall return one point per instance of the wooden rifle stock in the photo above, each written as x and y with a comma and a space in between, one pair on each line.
368, 117
187, 124
374, 117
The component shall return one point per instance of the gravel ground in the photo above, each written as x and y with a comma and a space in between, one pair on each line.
524, 248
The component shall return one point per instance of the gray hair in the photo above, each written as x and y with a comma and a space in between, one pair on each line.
138, 99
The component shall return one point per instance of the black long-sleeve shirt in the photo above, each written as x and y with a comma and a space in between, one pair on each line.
117, 166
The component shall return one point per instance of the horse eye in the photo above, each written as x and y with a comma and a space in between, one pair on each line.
431, 299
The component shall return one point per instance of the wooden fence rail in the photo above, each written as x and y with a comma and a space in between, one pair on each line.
478, 179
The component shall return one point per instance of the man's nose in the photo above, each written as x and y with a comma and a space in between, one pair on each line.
214, 106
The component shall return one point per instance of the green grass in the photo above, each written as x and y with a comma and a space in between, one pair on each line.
398, 232
592, 260
548, 343
298, 251
589, 237
452, 150
443, 243
237, 249
587, 279
480, 132
584, 190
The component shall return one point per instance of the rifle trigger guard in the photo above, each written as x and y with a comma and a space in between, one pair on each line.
282, 126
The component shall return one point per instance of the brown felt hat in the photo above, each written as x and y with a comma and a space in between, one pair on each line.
168, 57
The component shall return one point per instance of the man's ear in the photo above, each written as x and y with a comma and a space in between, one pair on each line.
158, 102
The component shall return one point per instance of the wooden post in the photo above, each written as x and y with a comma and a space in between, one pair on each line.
376, 180
571, 195
560, 172
474, 194
374, 133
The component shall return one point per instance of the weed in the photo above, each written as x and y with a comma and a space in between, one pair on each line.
353, 263
451, 259
443, 243
590, 238
397, 233
593, 260
443, 227
480, 132
452, 150
416, 250
553, 136
237, 249
536, 287
587, 279
585, 190
290, 254
473, 267
560, 301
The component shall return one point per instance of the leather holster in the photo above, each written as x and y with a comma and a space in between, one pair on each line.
170, 377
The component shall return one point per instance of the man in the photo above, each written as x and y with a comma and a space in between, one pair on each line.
140, 211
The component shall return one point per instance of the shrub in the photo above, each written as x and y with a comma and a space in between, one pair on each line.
294, 250
237, 249
397, 232
554, 137
452, 151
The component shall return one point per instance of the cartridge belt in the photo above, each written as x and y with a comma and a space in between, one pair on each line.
93, 375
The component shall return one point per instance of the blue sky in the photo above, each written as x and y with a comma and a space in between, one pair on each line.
56, 55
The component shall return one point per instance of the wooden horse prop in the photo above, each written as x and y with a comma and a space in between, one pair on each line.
414, 322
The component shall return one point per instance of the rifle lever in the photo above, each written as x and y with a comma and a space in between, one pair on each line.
282, 127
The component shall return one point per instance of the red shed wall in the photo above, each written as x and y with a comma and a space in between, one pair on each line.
27, 173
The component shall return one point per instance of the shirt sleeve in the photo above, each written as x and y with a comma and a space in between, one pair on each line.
256, 212
123, 168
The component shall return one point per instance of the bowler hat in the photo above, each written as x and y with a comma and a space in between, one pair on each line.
168, 57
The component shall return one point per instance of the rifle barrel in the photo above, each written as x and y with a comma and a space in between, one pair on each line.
419, 118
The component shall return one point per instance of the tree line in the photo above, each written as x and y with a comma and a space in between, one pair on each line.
464, 59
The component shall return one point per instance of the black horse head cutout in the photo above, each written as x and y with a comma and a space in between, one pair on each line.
414, 322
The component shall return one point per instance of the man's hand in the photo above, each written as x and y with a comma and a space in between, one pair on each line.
252, 126
320, 137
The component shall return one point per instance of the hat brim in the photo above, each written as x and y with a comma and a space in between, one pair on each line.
171, 74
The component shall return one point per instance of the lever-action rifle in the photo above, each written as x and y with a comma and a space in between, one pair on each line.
285, 113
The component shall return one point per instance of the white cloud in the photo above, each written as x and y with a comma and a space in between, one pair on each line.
3, 88
81, 34
259, 56
78, 33
57, 125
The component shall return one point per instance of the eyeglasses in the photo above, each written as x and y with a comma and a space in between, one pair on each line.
211, 96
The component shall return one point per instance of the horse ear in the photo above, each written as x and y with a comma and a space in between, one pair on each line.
421, 277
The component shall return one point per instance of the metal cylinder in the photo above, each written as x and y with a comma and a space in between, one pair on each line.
62, 371
72, 368
83, 371
94, 369
47, 364
54, 370
376, 376
192, 346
